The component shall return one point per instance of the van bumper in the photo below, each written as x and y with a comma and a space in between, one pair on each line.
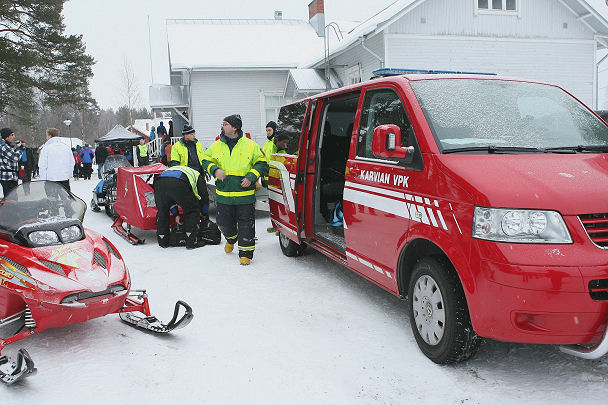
539, 304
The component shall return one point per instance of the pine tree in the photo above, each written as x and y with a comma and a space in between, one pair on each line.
38, 62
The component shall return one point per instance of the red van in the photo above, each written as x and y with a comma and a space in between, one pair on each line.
483, 200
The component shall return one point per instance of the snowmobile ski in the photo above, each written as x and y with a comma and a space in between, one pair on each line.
126, 233
151, 323
23, 367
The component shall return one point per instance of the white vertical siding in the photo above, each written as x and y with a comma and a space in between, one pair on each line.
534, 19
218, 94
357, 54
568, 64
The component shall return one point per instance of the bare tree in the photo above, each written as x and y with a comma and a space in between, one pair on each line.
130, 88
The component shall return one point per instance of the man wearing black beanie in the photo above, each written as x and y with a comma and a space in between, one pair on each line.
236, 162
9, 160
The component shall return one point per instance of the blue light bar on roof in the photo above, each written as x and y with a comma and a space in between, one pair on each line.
395, 72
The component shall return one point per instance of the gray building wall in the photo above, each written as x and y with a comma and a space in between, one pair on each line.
532, 44
358, 55
218, 94
535, 19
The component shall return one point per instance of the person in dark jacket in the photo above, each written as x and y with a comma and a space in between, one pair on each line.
170, 134
101, 154
185, 187
9, 160
86, 156
161, 130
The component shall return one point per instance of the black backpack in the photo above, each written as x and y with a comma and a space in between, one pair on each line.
208, 233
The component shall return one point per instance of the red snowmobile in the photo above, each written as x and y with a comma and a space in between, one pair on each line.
54, 273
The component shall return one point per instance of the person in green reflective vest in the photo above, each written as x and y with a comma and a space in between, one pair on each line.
143, 159
236, 163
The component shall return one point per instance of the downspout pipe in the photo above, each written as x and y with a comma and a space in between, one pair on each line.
190, 109
361, 41
597, 84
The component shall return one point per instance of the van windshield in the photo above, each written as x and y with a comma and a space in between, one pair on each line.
473, 114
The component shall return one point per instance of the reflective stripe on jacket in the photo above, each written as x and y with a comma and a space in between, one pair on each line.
192, 177
245, 160
179, 153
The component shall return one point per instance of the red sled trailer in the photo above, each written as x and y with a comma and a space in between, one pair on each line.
135, 204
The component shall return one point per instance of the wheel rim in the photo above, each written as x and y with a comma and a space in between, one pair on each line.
429, 310
284, 240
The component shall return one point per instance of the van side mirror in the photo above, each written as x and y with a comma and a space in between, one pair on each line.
387, 142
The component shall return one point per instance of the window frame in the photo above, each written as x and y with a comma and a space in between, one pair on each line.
271, 93
502, 11
417, 164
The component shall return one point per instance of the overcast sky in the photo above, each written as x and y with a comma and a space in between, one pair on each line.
113, 29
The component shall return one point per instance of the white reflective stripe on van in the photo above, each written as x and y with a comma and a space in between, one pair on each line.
286, 185
369, 265
394, 202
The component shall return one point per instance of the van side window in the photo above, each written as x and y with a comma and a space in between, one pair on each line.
380, 107
290, 121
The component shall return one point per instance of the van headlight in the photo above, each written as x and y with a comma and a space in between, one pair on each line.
519, 226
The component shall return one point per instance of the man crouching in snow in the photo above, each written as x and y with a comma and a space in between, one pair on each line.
183, 186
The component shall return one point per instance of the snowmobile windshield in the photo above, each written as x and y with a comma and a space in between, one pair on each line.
113, 162
506, 116
41, 213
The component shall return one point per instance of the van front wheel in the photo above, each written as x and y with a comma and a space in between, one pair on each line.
439, 316
289, 247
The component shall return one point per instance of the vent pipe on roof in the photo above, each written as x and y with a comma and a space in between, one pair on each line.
278, 15
316, 16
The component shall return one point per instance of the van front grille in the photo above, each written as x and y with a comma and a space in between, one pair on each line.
596, 226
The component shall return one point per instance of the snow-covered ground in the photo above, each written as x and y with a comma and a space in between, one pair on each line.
281, 331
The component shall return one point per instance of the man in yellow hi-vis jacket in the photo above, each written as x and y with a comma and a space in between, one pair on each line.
236, 162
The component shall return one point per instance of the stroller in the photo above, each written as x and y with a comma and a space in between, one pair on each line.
104, 194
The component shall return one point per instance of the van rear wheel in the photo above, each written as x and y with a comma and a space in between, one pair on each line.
439, 315
289, 247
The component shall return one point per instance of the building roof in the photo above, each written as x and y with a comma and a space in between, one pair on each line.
590, 16
228, 44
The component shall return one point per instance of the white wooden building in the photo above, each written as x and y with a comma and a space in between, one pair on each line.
251, 67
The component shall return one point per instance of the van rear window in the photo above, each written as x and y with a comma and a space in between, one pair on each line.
291, 119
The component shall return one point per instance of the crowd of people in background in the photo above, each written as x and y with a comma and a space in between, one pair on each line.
238, 165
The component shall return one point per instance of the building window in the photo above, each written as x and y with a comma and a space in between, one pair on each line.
353, 74
272, 105
497, 5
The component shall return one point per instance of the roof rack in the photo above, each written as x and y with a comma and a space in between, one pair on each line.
384, 72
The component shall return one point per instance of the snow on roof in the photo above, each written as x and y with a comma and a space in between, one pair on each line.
366, 27
310, 80
118, 133
217, 44
593, 15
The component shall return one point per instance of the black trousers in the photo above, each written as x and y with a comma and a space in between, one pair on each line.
143, 160
237, 222
169, 191
8, 186
87, 169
